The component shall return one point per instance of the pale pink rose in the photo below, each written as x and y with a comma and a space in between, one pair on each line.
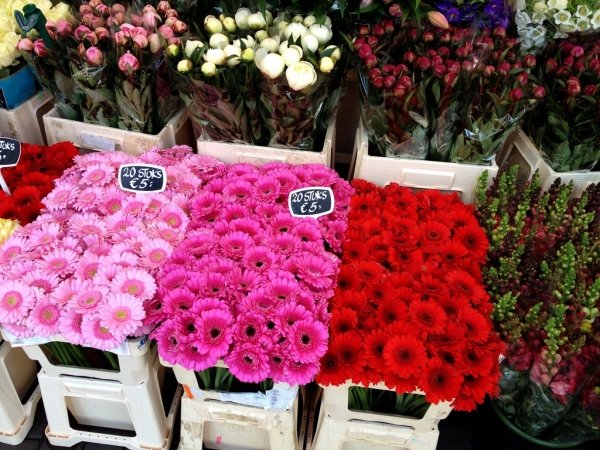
94, 3
81, 31
179, 27
151, 20
39, 48
127, 28
25, 45
154, 42
166, 31
163, 6
139, 31
91, 38
174, 41
103, 9
117, 8
171, 13
63, 28
51, 28
85, 9
128, 62
120, 38
94, 56
119, 18
136, 20
171, 21
102, 33
140, 41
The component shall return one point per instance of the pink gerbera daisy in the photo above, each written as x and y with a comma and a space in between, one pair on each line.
13, 248
45, 236
122, 313
173, 279
41, 280
267, 188
248, 363
69, 326
244, 282
60, 262
206, 206
112, 201
290, 314
308, 231
286, 244
155, 253
198, 243
87, 267
308, 340
283, 223
173, 217
251, 327
176, 300
234, 244
88, 299
259, 259
98, 175
251, 227
44, 318
190, 357
87, 199
98, 336
215, 332
136, 282
61, 197
16, 299
238, 191
232, 212
301, 373
319, 273
283, 290
215, 285
135, 206
87, 225
168, 340
66, 290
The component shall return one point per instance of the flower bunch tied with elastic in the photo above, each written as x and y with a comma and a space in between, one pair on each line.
410, 309
250, 284
85, 269
449, 95
566, 126
540, 21
33, 178
543, 274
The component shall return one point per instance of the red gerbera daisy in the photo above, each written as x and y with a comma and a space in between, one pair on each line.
477, 362
440, 381
378, 248
431, 287
399, 384
452, 252
460, 216
391, 311
463, 284
332, 372
348, 346
452, 304
347, 279
405, 259
364, 187
374, 345
343, 320
362, 203
397, 279
474, 239
428, 316
25, 195
350, 299
405, 355
368, 272
403, 295
477, 387
355, 250
434, 233
477, 326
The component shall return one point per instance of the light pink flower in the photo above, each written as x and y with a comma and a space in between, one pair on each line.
122, 313
128, 63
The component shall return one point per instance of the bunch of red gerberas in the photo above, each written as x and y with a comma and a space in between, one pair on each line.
33, 178
410, 309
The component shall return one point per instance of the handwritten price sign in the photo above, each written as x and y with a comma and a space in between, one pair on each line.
311, 202
142, 178
10, 152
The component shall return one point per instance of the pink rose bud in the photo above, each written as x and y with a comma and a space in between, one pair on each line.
39, 48
166, 31
488, 71
516, 94
371, 61
94, 3
154, 42
453, 66
395, 10
389, 82
399, 91
444, 52
102, 33
103, 10
120, 38
590, 89
467, 65
409, 57
529, 61
504, 68
594, 64
510, 42
174, 41
406, 81
400, 70
462, 52
81, 31
372, 41
119, 18
81, 49
91, 38
179, 27
94, 56
388, 25
171, 13
431, 53
569, 61
85, 9
511, 56
428, 36
51, 28
25, 45
365, 52
63, 28
551, 65
437, 19
163, 6
378, 82
499, 32
388, 68
573, 86
137, 21
374, 73
563, 71
128, 62
363, 30
450, 79
140, 41
117, 8
378, 30
149, 9
579, 65
539, 92
445, 37
439, 70
413, 34
423, 63
523, 78
577, 51
437, 60
171, 21
151, 20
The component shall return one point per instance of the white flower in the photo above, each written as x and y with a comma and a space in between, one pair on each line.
583, 11
190, 46
538, 17
259, 55
248, 55
540, 7
568, 27
184, 66
282, 25
558, 4
596, 20
269, 17
300, 75
562, 17
326, 64
298, 19
582, 24
261, 35
321, 32
233, 53
272, 65
292, 55
295, 30
336, 53
270, 44
247, 42
310, 43
215, 56
257, 21
241, 18
229, 24
212, 24
309, 21
218, 40
209, 69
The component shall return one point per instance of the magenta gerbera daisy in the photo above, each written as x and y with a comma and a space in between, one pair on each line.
259, 259
285, 244
234, 244
16, 299
308, 340
122, 313
308, 231
238, 191
44, 318
206, 206
177, 300
215, 332
301, 373
267, 188
318, 272
248, 363
291, 313
98, 336
136, 282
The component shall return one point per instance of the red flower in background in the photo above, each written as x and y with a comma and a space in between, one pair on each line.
33, 178
410, 309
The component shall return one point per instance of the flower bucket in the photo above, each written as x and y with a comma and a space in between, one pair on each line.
17, 88
24, 123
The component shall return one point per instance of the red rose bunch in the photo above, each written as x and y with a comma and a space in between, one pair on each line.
410, 309
33, 178
450, 95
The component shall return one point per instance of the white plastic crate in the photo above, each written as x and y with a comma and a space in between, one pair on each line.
236, 421
136, 407
417, 174
524, 153
17, 377
340, 428
88, 136
257, 155
25, 122
135, 356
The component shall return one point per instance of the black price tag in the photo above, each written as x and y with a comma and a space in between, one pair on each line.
311, 202
142, 178
10, 152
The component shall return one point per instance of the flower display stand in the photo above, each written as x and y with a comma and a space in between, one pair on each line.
236, 421
89, 136
128, 399
416, 174
257, 155
524, 153
25, 122
17, 377
341, 428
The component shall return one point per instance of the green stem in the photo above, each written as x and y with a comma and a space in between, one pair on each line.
113, 360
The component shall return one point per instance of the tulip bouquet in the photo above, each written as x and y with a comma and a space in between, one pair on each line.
410, 309
540, 21
250, 284
448, 95
543, 274
33, 178
566, 126
85, 268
